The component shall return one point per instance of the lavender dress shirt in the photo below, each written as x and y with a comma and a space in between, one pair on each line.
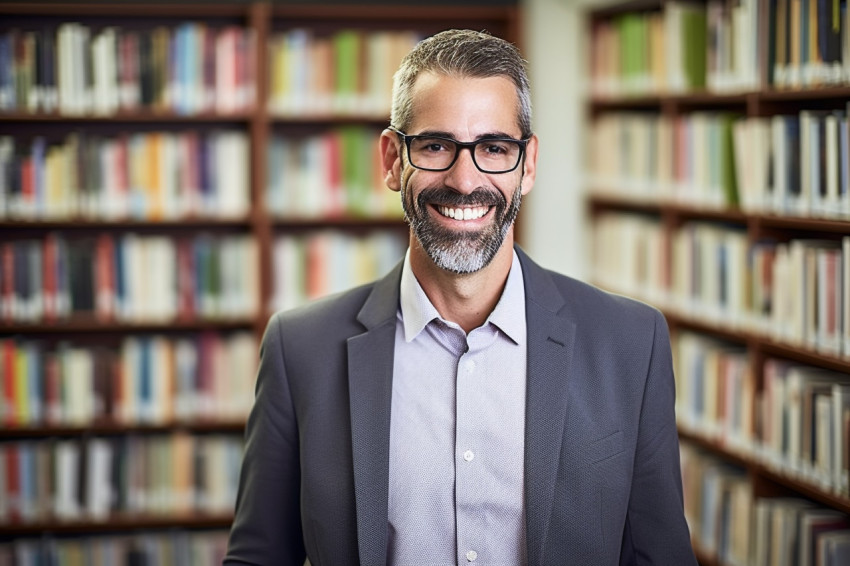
456, 471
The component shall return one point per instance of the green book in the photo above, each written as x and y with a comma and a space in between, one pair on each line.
346, 46
728, 171
695, 41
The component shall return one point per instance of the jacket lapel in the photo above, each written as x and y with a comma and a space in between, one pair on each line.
370, 368
550, 351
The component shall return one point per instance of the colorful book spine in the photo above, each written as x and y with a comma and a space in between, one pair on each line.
187, 69
95, 479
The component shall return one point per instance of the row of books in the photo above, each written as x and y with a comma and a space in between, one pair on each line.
186, 548
139, 380
797, 423
733, 526
806, 423
314, 265
808, 43
345, 72
334, 174
796, 292
687, 47
787, 164
94, 479
76, 69
147, 176
682, 48
715, 390
129, 277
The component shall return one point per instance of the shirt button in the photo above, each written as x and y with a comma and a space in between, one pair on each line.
468, 456
471, 556
470, 366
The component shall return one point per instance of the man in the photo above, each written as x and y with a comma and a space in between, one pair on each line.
470, 407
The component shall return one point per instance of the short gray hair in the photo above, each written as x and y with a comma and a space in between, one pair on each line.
461, 53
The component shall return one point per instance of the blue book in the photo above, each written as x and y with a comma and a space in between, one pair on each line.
35, 382
120, 271
7, 86
40, 194
145, 380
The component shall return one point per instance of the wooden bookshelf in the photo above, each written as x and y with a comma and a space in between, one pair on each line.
259, 124
622, 89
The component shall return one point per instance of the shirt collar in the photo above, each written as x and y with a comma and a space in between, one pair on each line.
417, 311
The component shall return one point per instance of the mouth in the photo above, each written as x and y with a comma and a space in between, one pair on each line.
465, 213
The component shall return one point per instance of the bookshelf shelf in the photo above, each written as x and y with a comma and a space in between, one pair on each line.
117, 429
147, 116
689, 212
710, 99
90, 326
339, 222
118, 523
190, 223
777, 476
157, 10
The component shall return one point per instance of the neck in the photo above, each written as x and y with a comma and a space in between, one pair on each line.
465, 299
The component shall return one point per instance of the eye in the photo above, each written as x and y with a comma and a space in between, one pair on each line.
431, 145
495, 148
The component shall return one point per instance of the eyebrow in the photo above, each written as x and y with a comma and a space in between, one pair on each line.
449, 135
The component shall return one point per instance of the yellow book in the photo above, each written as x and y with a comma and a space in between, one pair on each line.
22, 409
156, 198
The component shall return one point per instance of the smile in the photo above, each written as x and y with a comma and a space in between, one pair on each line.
473, 213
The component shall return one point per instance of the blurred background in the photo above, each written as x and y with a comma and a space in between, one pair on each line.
171, 174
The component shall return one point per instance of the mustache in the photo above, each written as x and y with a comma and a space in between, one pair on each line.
448, 197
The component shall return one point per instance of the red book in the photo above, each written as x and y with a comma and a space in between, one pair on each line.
28, 186
185, 280
13, 482
336, 201
49, 279
52, 389
8, 353
122, 177
104, 272
7, 285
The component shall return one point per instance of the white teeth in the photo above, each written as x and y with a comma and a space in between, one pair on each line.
463, 213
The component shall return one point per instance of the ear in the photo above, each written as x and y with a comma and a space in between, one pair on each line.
390, 148
529, 168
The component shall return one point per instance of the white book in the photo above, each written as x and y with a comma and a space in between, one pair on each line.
99, 488
840, 404
780, 158
67, 474
829, 205
78, 385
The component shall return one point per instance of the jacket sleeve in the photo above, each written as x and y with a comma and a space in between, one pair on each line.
267, 524
655, 530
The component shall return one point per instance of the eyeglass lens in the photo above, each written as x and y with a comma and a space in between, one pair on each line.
490, 156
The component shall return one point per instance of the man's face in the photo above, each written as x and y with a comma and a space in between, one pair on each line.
461, 217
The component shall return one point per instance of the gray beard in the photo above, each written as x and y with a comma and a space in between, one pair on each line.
460, 251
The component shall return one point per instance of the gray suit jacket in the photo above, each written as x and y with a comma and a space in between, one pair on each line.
602, 479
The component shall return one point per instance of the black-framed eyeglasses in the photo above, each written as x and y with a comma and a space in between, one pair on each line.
436, 153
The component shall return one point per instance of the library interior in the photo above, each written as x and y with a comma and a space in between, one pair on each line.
172, 173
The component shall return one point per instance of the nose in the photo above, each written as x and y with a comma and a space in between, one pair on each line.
464, 176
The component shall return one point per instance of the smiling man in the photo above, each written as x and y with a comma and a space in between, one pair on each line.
470, 407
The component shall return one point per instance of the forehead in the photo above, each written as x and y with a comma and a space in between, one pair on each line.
465, 107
